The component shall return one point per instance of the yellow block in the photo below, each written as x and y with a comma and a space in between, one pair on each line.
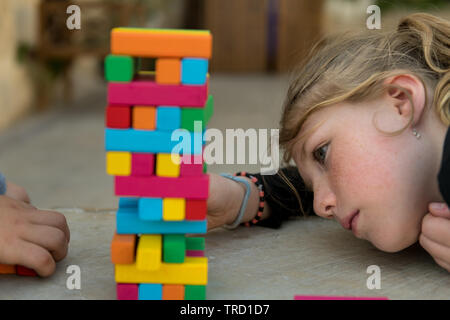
174, 209
193, 271
149, 252
118, 163
166, 167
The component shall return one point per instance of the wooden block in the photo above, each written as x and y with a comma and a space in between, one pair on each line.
168, 165
7, 269
119, 68
149, 93
142, 164
193, 271
150, 291
118, 163
173, 292
168, 71
128, 222
123, 248
194, 71
147, 141
195, 253
191, 165
193, 292
174, 248
174, 209
24, 271
128, 202
195, 243
127, 291
190, 115
150, 209
149, 252
161, 43
168, 118
196, 209
118, 117
195, 187
144, 117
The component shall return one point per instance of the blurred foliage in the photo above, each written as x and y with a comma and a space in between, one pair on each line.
412, 4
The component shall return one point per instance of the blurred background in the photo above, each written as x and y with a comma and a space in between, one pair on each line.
53, 94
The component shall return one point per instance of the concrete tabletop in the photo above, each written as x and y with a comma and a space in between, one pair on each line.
307, 256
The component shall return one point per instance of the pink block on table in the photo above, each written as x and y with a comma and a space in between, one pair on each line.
142, 164
195, 253
149, 93
127, 291
297, 297
195, 187
191, 165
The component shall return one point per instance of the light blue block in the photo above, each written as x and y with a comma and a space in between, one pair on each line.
168, 118
125, 202
194, 71
153, 141
150, 291
150, 209
128, 222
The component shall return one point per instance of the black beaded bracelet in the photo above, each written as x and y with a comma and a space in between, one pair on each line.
260, 187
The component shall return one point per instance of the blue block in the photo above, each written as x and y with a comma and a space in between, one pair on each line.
150, 209
153, 141
168, 118
150, 291
128, 222
125, 202
194, 71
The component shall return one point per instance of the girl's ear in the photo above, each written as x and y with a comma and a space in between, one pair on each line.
407, 93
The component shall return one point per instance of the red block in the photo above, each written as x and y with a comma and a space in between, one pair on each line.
196, 209
24, 271
127, 291
118, 117
142, 164
191, 165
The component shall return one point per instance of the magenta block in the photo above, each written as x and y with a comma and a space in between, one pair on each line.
195, 187
191, 165
149, 93
195, 253
142, 164
127, 291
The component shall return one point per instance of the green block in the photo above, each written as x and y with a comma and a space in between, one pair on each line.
189, 115
205, 167
174, 248
192, 292
119, 68
195, 243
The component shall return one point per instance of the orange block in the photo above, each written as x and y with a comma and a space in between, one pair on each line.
7, 269
173, 292
144, 117
168, 71
154, 43
123, 248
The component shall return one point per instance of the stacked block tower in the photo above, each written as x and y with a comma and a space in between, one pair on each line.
163, 188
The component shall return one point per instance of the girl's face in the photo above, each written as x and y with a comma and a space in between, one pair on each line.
353, 168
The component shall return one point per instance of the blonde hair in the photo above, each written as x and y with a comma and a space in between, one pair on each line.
352, 68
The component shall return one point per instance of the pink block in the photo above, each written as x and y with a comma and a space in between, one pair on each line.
195, 253
195, 187
149, 93
142, 164
127, 291
191, 165
337, 298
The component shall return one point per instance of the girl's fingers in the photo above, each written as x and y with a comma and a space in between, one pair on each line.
436, 250
50, 238
443, 264
439, 209
436, 229
51, 218
34, 257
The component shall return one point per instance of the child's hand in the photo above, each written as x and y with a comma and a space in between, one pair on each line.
30, 237
17, 192
435, 236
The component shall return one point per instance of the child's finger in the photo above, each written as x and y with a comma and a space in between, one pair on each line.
436, 229
50, 238
439, 209
443, 264
51, 218
436, 250
35, 257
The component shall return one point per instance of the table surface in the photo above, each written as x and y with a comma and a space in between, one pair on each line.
307, 256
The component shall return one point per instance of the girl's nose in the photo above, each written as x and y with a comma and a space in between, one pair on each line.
325, 203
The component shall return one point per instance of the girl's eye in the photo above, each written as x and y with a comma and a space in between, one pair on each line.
320, 154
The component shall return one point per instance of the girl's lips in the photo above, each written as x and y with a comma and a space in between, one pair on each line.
347, 222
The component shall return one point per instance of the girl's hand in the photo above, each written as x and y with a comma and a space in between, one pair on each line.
435, 235
17, 192
30, 237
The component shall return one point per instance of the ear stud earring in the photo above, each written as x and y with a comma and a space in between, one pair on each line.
416, 134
